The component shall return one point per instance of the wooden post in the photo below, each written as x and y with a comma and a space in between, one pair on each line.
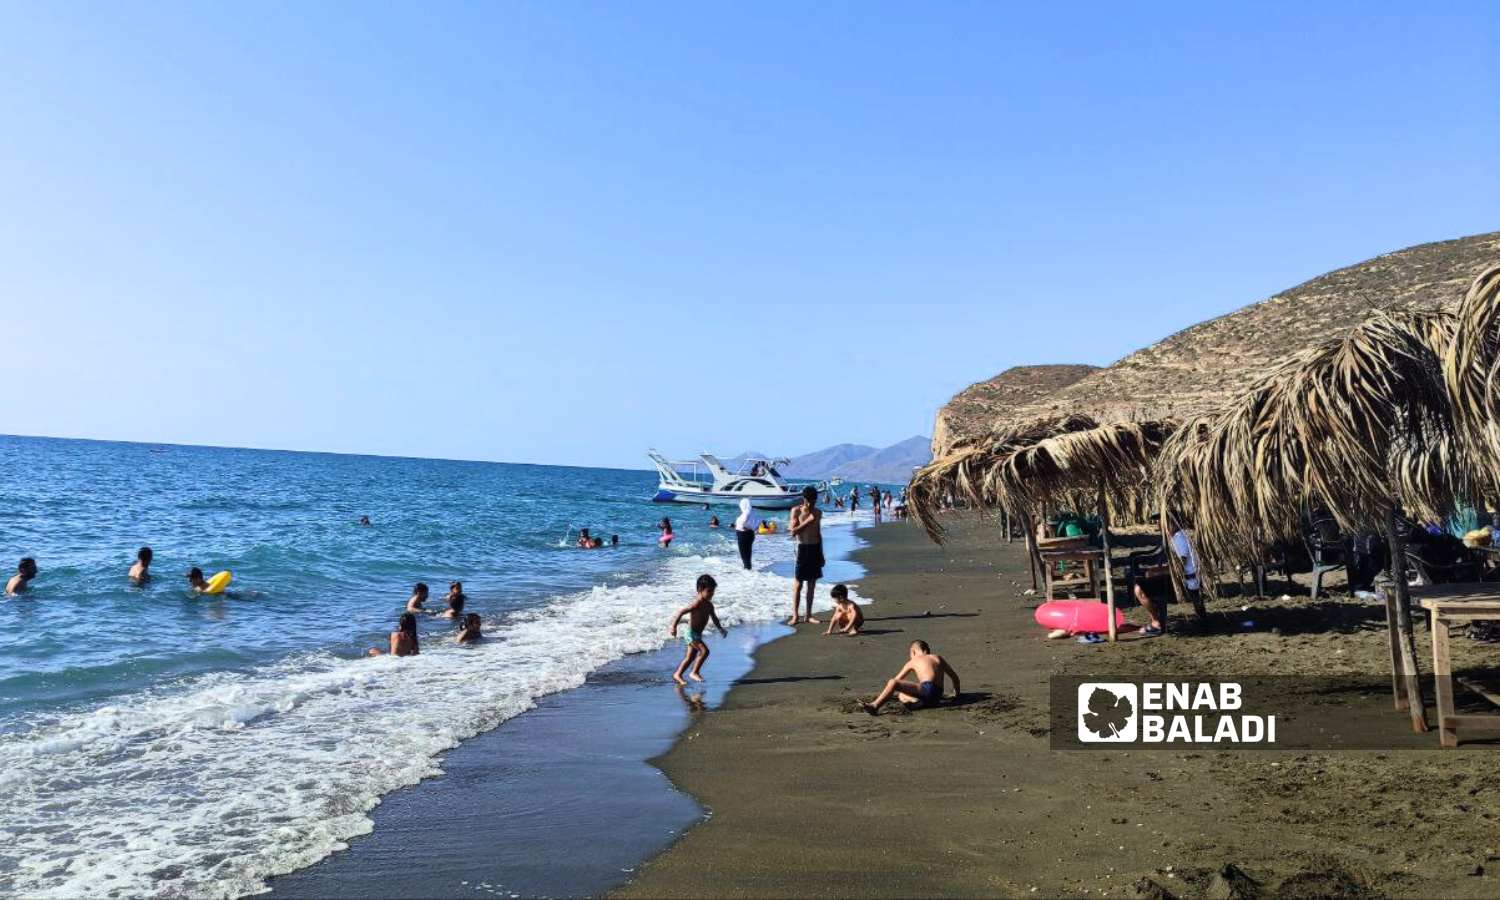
1031, 551
1109, 578
1409, 672
1442, 679
1398, 682
1005, 517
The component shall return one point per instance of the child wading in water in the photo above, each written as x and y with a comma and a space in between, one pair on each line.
700, 612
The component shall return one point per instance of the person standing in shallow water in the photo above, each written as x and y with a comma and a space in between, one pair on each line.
806, 527
744, 530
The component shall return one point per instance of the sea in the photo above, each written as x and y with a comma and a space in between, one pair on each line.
158, 743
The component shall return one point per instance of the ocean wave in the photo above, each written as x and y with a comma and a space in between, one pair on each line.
209, 786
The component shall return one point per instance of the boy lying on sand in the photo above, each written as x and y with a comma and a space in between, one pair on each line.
846, 617
700, 612
927, 690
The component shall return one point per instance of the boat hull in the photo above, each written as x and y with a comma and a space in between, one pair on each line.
698, 498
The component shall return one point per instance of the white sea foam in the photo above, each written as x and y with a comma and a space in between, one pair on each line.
208, 787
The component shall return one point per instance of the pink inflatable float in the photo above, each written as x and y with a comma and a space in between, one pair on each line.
1076, 616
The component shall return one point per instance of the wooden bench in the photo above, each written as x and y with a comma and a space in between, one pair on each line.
1448, 605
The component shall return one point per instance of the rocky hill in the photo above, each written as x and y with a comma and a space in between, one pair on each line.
854, 462
977, 407
893, 465
1196, 369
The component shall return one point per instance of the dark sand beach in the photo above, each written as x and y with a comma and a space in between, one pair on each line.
810, 796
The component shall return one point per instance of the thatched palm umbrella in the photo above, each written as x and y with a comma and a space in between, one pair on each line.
961, 472
1361, 424
1113, 462
1471, 367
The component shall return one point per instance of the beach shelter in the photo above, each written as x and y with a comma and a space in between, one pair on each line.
1361, 424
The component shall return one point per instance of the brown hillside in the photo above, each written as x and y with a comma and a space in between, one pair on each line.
977, 407
1199, 368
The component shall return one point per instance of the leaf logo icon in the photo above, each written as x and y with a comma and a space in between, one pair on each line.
1108, 714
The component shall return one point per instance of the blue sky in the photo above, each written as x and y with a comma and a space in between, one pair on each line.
563, 232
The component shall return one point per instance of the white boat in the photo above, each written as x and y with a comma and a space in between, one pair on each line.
706, 480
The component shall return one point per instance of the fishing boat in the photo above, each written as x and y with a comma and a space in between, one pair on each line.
706, 480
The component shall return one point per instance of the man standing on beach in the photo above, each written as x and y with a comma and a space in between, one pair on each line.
806, 526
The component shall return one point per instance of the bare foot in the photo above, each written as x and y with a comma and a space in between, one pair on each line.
815, 621
792, 620
678, 678
695, 676
869, 708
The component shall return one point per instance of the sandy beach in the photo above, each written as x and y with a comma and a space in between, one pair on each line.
810, 796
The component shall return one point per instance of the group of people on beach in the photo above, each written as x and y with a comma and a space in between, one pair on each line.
926, 669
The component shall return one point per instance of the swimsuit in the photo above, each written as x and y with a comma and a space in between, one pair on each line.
809, 562
928, 694
692, 637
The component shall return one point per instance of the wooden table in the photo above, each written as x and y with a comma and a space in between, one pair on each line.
1457, 604
1091, 557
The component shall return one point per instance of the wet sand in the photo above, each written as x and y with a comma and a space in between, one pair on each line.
810, 796
558, 801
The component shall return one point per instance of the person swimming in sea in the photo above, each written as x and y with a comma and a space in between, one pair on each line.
584, 540
364, 520
19, 582
418, 597
455, 600
471, 631
140, 570
614, 540
666, 532
403, 639
713, 521
196, 581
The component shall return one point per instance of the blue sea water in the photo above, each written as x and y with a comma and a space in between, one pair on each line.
157, 743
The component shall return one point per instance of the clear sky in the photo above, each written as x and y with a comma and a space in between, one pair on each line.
564, 232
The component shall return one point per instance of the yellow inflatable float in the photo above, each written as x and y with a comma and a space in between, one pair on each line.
219, 582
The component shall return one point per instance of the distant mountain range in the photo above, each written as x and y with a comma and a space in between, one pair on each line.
854, 462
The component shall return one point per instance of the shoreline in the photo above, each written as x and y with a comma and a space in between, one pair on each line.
561, 800
812, 797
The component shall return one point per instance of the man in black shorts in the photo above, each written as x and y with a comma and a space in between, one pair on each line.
806, 526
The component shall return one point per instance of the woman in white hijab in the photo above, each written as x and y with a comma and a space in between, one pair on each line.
744, 529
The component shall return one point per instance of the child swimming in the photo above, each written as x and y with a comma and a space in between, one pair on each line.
418, 597
196, 581
140, 570
403, 639
455, 599
666, 532
471, 630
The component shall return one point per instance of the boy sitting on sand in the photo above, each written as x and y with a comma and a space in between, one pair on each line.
847, 616
927, 690
700, 612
